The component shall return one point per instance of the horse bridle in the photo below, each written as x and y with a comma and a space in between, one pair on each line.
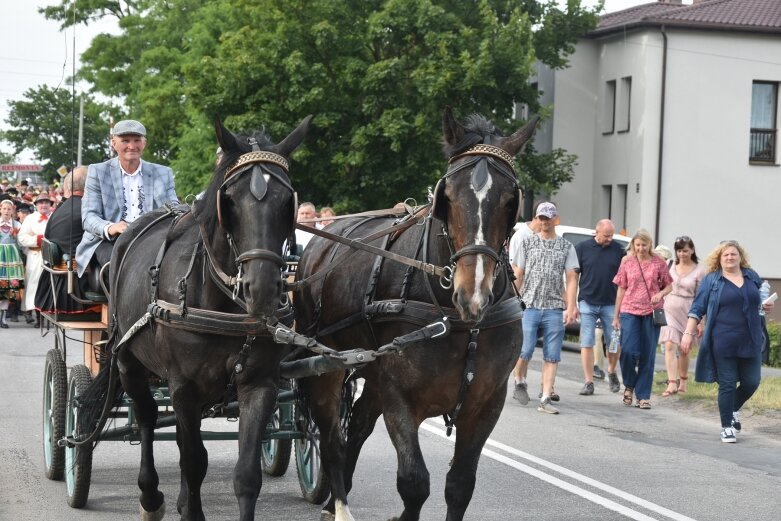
503, 162
257, 163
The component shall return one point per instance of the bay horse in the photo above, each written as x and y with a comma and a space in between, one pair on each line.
365, 302
219, 261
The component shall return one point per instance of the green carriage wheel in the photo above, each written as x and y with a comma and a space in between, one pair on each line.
275, 453
55, 396
312, 479
78, 459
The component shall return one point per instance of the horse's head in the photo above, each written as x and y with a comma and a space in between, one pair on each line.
248, 212
478, 200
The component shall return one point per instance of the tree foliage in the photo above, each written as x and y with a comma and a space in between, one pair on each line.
45, 121
375, 73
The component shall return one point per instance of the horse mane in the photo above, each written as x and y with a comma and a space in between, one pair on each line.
476, 129
207, 206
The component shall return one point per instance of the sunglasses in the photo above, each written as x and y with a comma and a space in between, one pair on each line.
729, 243
683, 238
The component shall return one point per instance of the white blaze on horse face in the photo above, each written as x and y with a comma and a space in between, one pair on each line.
342, 511
481, 195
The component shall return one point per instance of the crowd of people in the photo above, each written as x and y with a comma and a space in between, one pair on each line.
643, 296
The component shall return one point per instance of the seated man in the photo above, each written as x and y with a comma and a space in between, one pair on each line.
64, 229
118, 192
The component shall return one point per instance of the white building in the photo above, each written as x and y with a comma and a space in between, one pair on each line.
672, 111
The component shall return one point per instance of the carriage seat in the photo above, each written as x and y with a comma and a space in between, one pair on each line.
56, 260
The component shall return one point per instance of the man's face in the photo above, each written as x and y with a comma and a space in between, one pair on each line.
604, 236
129, 147
43, 207
547, 224
306, 212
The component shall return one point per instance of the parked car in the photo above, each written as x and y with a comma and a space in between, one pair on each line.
575, 235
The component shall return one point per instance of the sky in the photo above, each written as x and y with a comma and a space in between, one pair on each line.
36, 52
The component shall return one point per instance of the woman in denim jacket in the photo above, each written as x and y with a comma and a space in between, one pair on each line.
731, 347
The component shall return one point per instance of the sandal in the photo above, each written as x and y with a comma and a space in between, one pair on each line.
669, 392
628, 396
682, 382
643, 404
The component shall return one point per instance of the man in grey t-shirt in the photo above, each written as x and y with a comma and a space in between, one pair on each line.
540, 263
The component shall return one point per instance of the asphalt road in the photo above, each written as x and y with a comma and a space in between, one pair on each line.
595, 460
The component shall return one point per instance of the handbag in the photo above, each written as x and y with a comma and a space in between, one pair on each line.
660, 319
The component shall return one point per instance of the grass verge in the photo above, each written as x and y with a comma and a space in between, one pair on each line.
767, 397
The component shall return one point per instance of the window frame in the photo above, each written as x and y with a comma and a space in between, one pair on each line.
772, 141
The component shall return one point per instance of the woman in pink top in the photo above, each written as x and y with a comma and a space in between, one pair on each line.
643, 281
687, 275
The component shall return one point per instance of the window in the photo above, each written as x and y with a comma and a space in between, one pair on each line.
609, 110
764, 107
625, 99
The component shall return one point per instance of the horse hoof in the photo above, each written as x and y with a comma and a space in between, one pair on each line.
325, 515
157, 515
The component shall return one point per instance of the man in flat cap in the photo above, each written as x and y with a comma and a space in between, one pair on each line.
118, 192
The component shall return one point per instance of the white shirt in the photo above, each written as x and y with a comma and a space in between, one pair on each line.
133, 204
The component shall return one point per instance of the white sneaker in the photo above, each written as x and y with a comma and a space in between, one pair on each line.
736, 422
545, 406
728, 435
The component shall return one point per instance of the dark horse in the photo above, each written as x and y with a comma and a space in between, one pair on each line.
221, 264
368, 302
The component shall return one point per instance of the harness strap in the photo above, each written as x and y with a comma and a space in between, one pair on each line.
358, 244
466, 381
335, 263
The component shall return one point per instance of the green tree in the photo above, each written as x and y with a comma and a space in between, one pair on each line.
45, 122
375, 73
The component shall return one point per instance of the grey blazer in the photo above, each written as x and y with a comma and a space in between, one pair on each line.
103, 197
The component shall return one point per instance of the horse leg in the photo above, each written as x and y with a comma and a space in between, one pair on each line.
324, 395
134, 381
193, 458
364, 416
412, 477
256, 405
471, 434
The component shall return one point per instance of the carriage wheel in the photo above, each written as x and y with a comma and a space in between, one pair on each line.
55, 389
275, 454
78, 460
312, 479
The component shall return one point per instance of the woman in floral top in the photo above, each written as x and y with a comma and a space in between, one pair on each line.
11, 266
643, 281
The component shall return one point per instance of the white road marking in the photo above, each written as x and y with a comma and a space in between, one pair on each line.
569, 487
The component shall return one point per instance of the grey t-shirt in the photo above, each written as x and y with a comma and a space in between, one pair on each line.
544, 263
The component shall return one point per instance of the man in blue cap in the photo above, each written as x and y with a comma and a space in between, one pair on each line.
118, 192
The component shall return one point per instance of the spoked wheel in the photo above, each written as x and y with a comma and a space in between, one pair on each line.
55, 395
275, 453
312, 479
78, 459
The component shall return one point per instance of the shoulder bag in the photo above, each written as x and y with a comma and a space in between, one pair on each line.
660, 319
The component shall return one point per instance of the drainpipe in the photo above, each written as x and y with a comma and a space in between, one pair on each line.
661, 137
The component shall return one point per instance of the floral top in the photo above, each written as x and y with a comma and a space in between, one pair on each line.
637, 300
8, 231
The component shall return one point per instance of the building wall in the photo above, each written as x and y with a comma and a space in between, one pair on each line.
709, 191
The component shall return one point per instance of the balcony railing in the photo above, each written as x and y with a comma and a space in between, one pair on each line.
762, 146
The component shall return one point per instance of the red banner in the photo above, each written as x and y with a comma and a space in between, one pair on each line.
20, 168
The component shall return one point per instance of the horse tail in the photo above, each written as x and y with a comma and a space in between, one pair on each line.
103, 394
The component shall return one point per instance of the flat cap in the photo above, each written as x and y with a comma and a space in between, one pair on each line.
128, 126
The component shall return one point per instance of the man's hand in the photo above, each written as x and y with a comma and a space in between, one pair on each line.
117, 228
571, 315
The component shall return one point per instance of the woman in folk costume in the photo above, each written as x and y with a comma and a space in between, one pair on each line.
31, 236
11, 266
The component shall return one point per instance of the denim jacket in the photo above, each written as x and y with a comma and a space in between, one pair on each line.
706, 302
